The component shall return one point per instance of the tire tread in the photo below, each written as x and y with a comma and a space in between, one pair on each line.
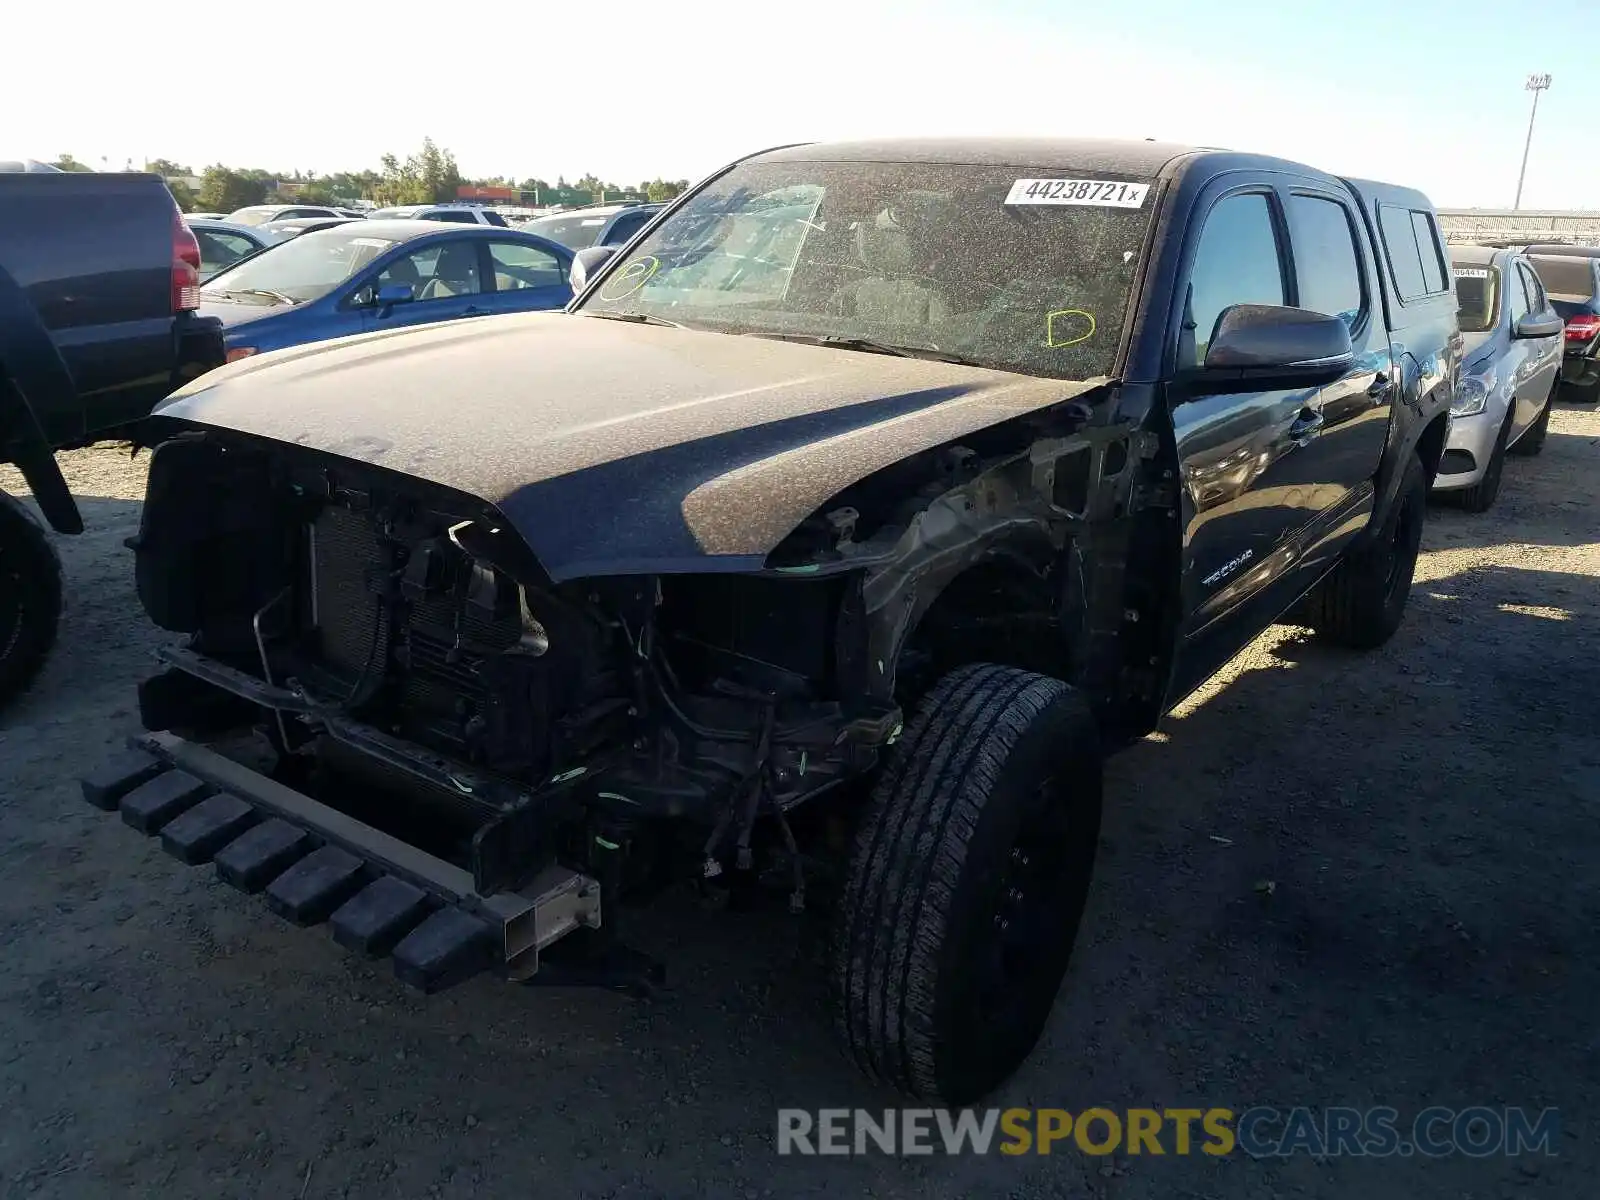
908, 861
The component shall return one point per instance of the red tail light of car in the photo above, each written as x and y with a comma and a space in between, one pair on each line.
1583, 327
185, 265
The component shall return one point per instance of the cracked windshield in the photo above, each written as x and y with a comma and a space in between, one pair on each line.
954, 262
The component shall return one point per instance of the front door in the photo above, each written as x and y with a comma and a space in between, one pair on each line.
446, 279
1273, 480
1539, 360
1245, 496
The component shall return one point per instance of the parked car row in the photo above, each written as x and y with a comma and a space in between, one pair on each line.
371, 275
227, 239
1530, 316
345, 275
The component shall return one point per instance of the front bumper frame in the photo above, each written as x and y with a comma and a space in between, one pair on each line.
382, 896
1475, 435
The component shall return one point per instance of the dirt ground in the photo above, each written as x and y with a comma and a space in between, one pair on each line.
1426, 816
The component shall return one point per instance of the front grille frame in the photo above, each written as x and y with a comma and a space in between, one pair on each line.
412, 664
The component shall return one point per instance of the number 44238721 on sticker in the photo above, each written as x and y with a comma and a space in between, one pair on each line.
1104, 193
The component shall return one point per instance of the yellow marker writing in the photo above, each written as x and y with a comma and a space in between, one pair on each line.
632, 277
1055, 342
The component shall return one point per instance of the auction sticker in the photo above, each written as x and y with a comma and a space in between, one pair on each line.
1471, 273
1102, 193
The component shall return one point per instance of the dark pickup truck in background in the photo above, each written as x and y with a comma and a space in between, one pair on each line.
99, 278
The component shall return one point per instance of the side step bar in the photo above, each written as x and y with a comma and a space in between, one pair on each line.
314, 864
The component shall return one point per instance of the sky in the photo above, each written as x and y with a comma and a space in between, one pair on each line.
1417, 92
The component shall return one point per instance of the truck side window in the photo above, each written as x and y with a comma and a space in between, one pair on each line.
1326, 264
1400, 244
1236, 262
1429, 250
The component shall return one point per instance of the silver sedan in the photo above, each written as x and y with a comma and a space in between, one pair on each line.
1510, 367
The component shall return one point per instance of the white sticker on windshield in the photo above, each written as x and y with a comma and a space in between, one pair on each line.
1471, 273
375, 243
593, 221
1102, 193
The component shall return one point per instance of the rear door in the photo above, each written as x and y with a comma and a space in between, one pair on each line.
1340, 448
1541, 361
524, 277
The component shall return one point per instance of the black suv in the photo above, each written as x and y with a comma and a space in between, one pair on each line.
1571, 278
886, 485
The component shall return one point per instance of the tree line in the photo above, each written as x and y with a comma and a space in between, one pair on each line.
430, 176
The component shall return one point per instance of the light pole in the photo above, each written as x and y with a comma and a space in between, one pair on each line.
1535, 84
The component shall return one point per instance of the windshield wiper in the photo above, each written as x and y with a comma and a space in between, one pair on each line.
635, 318
279, 297
868, 346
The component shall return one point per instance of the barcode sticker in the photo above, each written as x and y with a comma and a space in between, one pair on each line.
1102, 193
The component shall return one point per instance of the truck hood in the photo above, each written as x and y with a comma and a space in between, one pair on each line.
614, 448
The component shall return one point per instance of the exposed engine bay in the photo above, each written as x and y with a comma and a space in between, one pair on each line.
397, 633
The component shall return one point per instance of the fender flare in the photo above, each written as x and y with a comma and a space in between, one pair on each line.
30, 365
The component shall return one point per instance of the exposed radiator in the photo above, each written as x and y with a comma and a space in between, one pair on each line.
345, 551
441, 644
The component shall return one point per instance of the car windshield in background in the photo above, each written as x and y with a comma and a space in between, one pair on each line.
1477, 298
388, 214
301, 269
993, 265
1570, 277
575, 231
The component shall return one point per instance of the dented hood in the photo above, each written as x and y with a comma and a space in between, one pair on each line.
615, 448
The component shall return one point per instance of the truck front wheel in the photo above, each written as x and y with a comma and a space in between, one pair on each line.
30, 597
968, 882
1361, 603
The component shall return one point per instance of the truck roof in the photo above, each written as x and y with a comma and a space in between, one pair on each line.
1376, 192
1140, 158
1123, 157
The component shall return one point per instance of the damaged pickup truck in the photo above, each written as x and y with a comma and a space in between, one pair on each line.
874, 487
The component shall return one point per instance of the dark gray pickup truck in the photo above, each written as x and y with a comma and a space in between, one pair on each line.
882, 486
99, 278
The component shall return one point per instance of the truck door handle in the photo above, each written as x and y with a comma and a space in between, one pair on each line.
1381, 387
1308, 422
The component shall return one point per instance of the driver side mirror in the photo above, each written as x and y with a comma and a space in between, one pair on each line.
1267, 345
1538, 325
585, 264
394, 293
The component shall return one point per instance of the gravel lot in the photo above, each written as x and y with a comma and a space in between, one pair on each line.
1426, 816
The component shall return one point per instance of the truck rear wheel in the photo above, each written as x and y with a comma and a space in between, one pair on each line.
1361, 603
30, 597
968, 882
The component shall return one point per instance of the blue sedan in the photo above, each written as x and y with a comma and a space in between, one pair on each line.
367, 276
